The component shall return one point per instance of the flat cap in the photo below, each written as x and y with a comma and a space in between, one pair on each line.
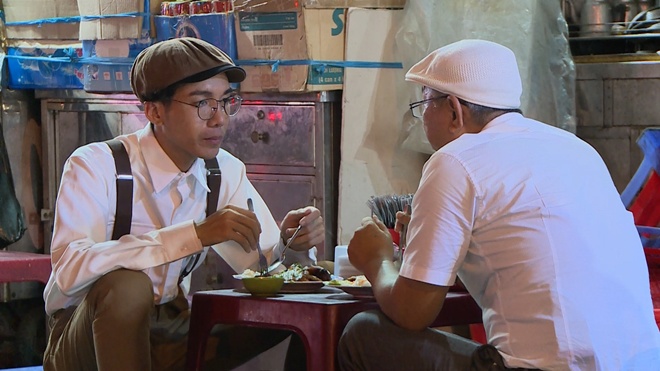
478, 71
185, 59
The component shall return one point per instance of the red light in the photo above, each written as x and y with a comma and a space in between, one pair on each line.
274, 116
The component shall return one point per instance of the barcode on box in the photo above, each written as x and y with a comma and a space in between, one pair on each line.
267, 40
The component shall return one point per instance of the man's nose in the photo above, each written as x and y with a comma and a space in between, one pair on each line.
219, 119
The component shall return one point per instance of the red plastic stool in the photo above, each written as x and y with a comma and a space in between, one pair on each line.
17, 266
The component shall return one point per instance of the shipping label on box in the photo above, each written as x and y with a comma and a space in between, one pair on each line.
113, 74
27, 68
215, 28
33, 10
275, 31
325, 36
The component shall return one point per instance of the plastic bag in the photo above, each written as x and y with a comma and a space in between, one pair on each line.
536, 31
12, 225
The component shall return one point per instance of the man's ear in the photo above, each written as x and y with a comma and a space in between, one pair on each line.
457, 115
154, 112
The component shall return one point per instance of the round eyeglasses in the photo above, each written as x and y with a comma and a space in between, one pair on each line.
206, 108
418, 108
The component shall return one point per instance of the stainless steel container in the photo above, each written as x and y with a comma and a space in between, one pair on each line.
596, 18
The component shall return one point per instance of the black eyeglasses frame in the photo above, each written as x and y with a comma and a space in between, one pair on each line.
419, 103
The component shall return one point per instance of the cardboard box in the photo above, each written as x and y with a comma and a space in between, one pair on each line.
324, 31
28, 72
131, 27
286, 32
394, 4
31, 10
216, 28
273, 31
108, 76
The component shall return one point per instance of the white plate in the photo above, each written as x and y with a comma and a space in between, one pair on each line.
358, 292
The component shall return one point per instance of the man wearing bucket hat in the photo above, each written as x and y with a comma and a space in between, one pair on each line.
121, 304
527, 216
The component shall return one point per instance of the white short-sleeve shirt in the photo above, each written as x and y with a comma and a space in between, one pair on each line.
528, 217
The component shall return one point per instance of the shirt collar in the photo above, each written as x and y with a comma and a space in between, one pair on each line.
159, 165
497, 123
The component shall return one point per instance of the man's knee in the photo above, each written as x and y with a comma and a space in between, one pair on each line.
130, 290
363, 324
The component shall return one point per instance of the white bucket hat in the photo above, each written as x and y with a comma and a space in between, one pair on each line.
478, 71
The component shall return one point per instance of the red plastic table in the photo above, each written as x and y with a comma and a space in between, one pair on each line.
318, 318
16, 266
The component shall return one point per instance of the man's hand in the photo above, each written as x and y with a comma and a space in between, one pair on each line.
230, 223
312, 231
402, 219
371, 244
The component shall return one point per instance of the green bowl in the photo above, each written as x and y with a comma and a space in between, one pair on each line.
263, 286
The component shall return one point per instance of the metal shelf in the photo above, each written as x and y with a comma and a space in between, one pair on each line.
642, 43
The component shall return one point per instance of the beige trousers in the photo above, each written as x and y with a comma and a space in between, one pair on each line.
117, 327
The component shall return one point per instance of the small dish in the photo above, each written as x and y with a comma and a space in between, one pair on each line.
263, 286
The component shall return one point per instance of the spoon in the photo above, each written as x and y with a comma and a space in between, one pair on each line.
288, 244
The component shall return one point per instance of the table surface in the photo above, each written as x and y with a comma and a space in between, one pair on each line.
327, 295
318, 318
459, 307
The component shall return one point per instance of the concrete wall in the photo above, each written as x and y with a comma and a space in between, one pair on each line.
615, 103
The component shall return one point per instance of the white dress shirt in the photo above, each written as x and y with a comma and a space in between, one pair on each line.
166, 203
528, 217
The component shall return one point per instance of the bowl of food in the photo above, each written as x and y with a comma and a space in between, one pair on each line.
263, 286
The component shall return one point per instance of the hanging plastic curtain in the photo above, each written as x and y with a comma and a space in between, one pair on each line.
535, 30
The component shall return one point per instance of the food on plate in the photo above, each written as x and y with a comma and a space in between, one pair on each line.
319, 272
295, 273
298, 273
360, 280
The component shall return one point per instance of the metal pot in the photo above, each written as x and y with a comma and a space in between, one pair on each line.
624, 11
595, 19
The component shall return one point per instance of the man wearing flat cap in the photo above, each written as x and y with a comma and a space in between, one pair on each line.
120, 302
527, 216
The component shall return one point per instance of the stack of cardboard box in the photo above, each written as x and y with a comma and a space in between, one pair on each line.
112, 41
283, 43
48, 40
217, 28
65, 30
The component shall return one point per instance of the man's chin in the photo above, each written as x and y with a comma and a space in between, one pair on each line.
209, 153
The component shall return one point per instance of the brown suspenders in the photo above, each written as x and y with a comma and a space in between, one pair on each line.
124, 213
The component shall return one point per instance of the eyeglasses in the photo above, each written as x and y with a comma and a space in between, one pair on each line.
418, 108
206, 108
